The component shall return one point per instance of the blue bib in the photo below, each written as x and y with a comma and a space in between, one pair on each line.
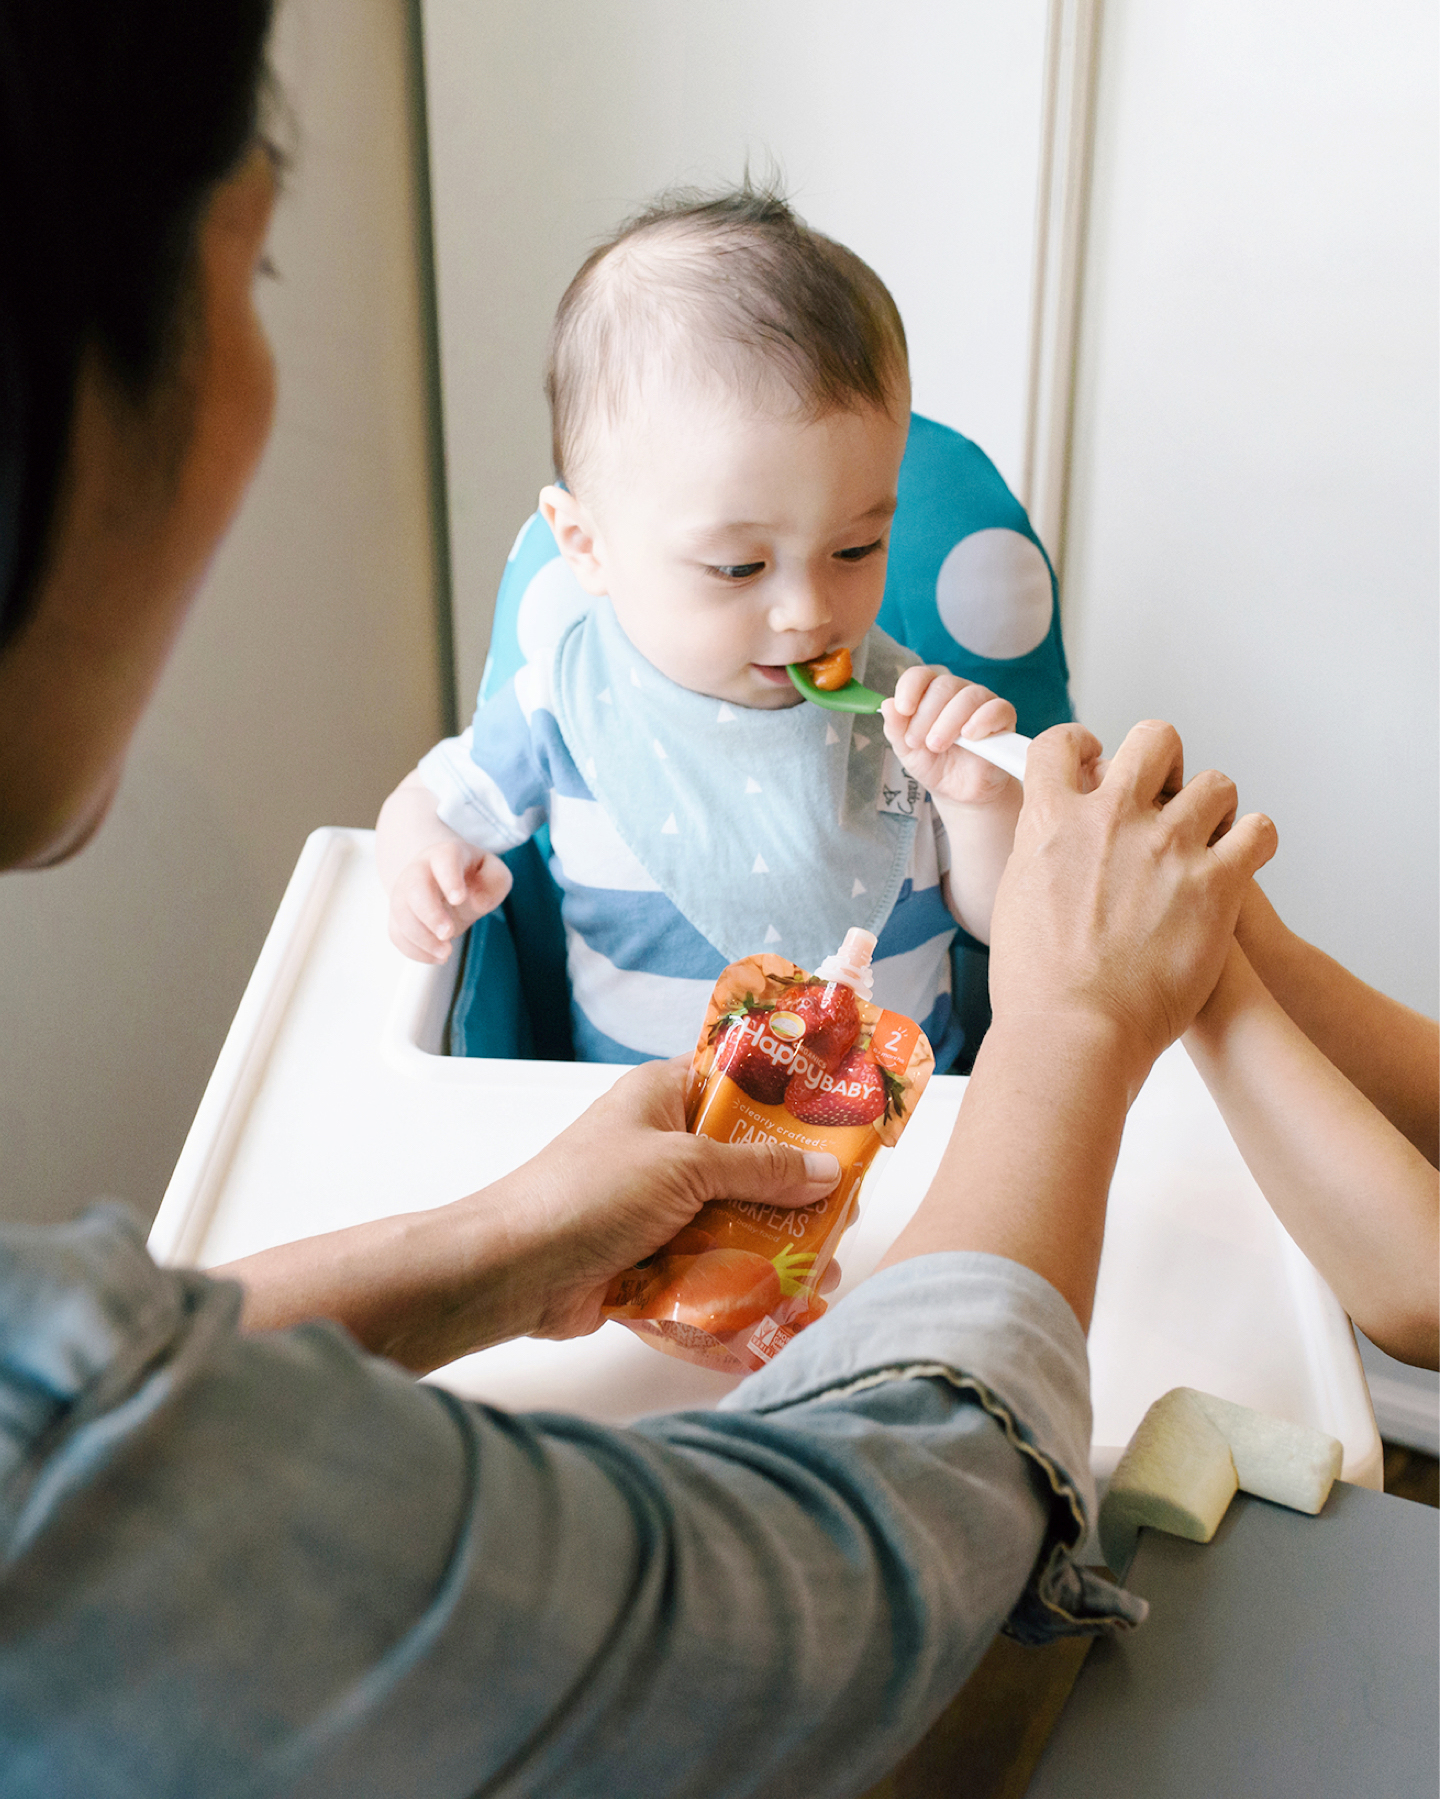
764, 828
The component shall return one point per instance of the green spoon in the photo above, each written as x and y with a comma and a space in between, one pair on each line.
850, 698
1006, 749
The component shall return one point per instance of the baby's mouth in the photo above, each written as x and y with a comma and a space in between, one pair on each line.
777, 673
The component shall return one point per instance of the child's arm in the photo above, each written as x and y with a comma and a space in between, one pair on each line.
1358, 1198
1391, 1053
978, 804
437, 882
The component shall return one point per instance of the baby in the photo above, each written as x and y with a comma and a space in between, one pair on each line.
730, 398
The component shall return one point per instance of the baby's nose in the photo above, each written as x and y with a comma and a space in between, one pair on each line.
802, 605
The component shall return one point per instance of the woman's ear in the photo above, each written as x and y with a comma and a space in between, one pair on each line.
575, 533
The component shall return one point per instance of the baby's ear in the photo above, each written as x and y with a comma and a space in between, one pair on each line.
575, 534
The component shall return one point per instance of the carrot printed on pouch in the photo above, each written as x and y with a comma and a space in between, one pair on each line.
791, 1058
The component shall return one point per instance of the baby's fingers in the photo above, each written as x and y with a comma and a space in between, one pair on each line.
490, 882
971, 712
434, 911
454, 865
924, 730
422, 920
409, 930
910, 689
894, 722
991, 714
413, 940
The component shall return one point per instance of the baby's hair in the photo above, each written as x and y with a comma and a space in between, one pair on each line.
735, 284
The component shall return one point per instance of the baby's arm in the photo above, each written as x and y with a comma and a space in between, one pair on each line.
1390, 1052
437, 882
978, 804
1359, 1199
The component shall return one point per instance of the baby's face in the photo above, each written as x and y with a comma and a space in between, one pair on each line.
732, 542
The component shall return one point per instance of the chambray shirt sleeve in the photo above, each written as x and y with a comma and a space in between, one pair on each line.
275, 1565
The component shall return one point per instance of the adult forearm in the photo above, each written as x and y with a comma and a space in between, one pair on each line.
1027, 1171
1360, 1201
534, 1253
1110, 929
1390, 1052
421, 1288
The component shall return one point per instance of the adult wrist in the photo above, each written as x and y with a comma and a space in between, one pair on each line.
510, 1276
461, 1282
1100, 1041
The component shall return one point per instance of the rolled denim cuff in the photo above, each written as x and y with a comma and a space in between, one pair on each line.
999, 1334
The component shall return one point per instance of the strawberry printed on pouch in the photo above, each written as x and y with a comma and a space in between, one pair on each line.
858, 1092
759, 1059
832, 1020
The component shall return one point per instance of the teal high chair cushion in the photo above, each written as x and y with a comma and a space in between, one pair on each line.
968, 585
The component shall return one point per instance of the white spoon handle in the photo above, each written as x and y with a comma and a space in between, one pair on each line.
1006, 749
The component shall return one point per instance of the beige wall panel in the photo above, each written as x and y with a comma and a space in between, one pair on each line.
305, 685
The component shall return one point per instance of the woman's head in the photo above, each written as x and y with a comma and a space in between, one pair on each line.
134, 380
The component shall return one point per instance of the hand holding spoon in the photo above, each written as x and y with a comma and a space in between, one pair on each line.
1006, 749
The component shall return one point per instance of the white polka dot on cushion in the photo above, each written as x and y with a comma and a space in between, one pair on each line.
993, 591
553, 598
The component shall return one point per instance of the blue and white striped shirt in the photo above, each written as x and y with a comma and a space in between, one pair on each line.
640, 972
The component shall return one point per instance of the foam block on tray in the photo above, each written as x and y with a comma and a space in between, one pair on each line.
1176, 1475
1294, 1465
1190, 1454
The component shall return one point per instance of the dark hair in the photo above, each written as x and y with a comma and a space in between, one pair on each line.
117, 118
734, 279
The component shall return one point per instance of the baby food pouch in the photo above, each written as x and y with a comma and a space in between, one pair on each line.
789, 1058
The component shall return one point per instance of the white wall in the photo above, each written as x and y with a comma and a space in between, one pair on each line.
1252, 548
911, 132
1253, 532
307, 681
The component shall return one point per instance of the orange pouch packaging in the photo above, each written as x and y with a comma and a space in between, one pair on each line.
794, 1059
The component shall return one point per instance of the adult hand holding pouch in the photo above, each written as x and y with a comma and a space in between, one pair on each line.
791, 1058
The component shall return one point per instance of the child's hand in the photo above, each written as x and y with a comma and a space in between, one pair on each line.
925, 722
441, 892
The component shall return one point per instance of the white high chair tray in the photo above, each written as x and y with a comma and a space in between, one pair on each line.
329, 1105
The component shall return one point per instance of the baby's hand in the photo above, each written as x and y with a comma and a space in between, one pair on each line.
445, 889
925, 721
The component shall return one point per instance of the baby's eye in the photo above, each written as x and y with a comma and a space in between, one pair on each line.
734, 571
860, 551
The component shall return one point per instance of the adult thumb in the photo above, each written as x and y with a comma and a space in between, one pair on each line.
775, 1174
1248, 845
